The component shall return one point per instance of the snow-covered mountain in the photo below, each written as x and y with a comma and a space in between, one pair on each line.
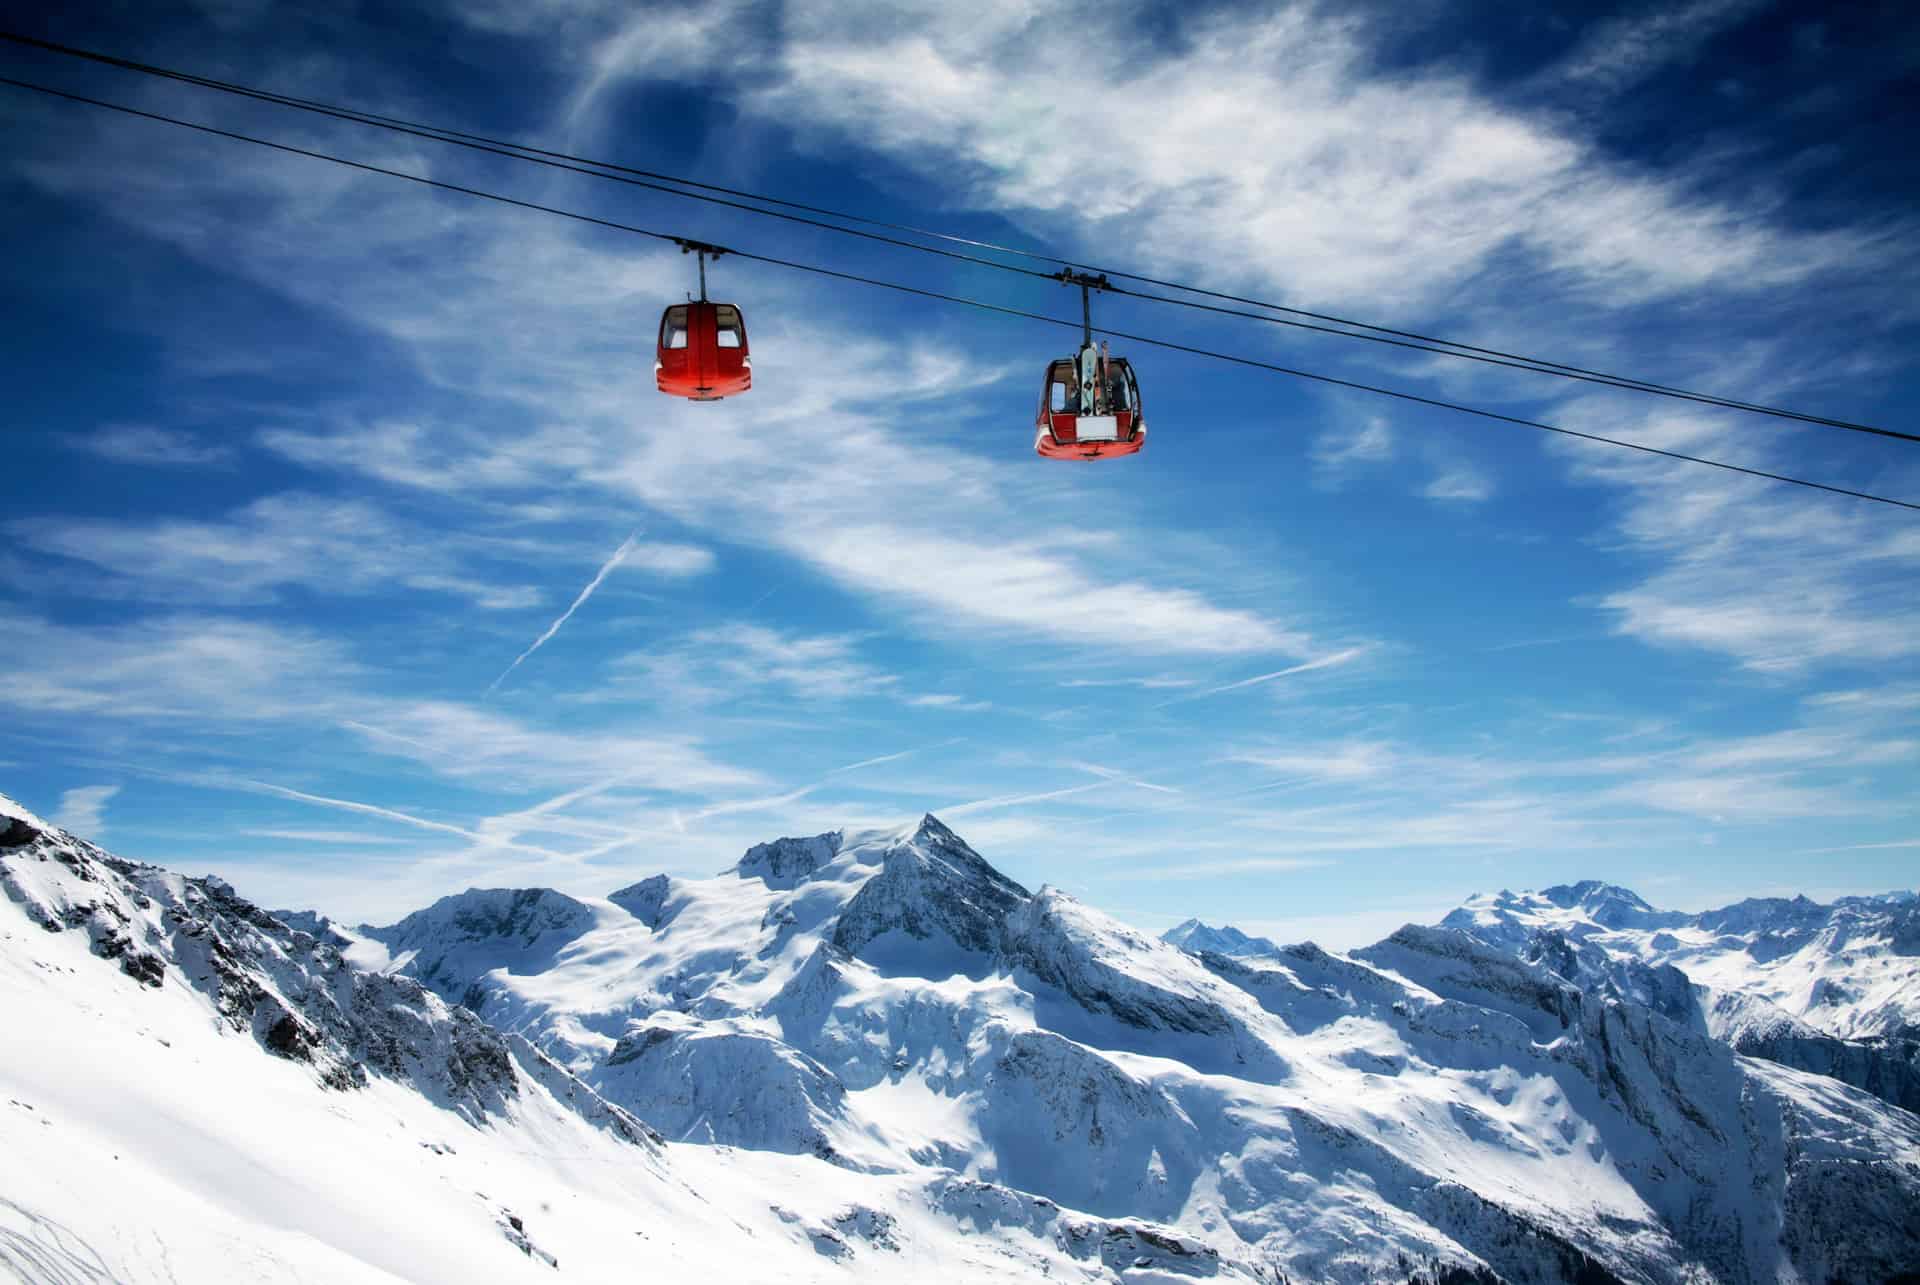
1225, 940
876, 999
1850, 969
1833, 989
873, 1053
192, 1089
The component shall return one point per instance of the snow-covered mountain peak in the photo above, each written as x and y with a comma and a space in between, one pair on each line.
1576, 909
1833, 989
783, 863
15, 822
1605, 903
931, 883
1224, 940
473, 932
646, 900
515, 914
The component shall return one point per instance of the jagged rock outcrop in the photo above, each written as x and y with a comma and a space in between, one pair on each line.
646, 900
931, 885
453, 944
291, 991
786, 862
1828, 988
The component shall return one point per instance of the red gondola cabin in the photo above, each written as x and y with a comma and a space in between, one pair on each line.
702, 353
1067, 428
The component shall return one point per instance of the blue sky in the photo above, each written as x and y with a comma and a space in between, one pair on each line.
300, 460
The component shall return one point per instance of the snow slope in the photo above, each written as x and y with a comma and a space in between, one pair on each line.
192, 1089
872, 1056
888, 1003
1833, 989
1850, 969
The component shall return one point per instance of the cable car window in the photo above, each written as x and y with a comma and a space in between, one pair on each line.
674, 328
1057, 396
731, 334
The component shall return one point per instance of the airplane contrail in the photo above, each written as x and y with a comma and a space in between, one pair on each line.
1321, 662
619, 556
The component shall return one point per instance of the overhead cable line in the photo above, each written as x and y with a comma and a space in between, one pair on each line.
656, 181
1002, 309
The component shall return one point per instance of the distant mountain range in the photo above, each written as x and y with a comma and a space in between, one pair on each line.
1830, 988
873, 1056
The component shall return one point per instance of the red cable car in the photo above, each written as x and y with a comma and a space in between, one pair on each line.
702, 350
1090, 419
1090, 403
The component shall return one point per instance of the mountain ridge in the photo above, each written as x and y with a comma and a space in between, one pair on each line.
1832, 988
884, 1012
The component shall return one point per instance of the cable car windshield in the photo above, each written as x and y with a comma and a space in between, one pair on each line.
673, 328
1063, 389
730, 333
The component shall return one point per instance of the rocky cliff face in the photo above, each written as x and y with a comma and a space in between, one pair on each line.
932, 887
1831, 989
289, 990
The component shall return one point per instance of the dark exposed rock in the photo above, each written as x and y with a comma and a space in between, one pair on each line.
785, 863
645, 900
932, 884
290, 990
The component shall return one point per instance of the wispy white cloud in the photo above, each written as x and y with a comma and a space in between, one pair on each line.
146, 445
1240, 866
1338, 454
1745, 797
465, 742
740, 659
1869, 847
181, 667
331, 545
1783, 582
1146, 684
1622, 51
949, 701
1348, 761
1462, 485
443, 458
341, 838
83, 810
1018, 588
1313, 170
